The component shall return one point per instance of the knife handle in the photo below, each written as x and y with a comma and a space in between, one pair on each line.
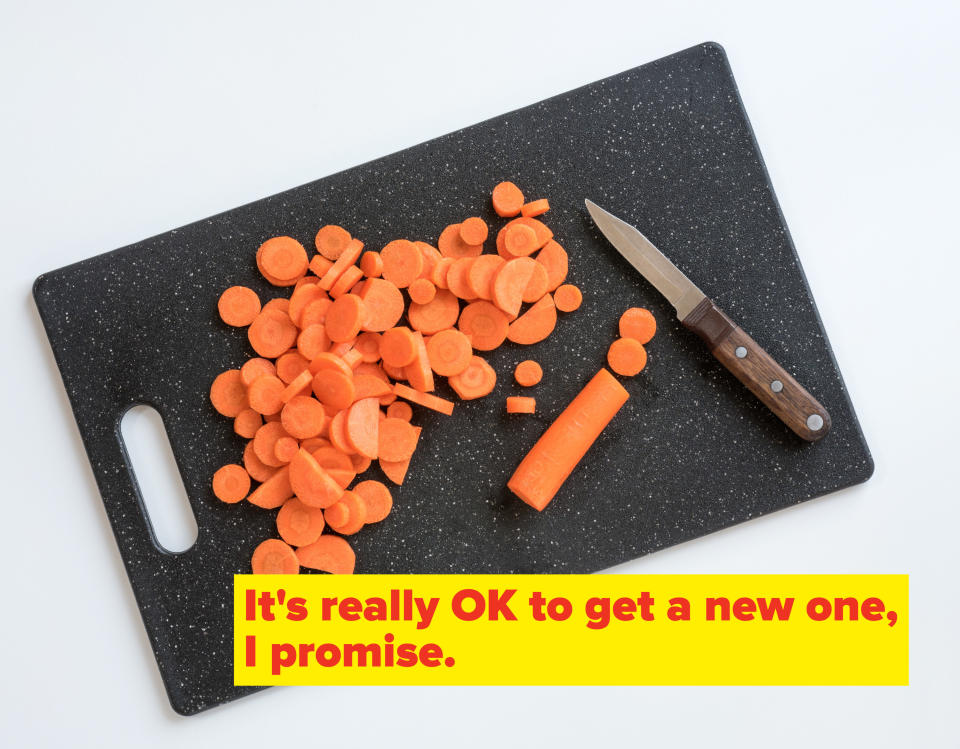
756, 369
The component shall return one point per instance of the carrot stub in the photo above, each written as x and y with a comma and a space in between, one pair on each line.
231, 483
299, 524
274, 557
519, 404
639, 324
507, 199
328, 553
238, 306
423, 399
552, 459
528, 373
627, 356
567, 297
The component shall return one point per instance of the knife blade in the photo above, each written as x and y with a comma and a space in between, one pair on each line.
728, 343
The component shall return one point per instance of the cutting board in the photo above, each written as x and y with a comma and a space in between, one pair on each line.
666, 146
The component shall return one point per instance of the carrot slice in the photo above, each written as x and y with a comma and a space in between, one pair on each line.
360, 462
555, 455
627, 356
362, 426
440, 271
312, 482
535, 324
348, 279
484, 324
376, 499
567, 297
348, 515
402, 262
368, 344
303, 417
272, 333
401, 409
369, 386
507, 199
231, 483
639, 324
475, 381
510, 283
312, 444
266, 395
451, 244
290, 365
247, 422
397, 439
280, 303
431, 256
518, 404
528, 373
333, 388
238, 306
520, 240
398, 347
422, 291
255, 368
328, 553
228, 394
535, 208
338, 434
537, 286
345, 318
347, 258
423, 399
319, 266
282, 258
273, 492
371, 264
328, 360
300, 385
299, 524
449, 352
474, 231
312, 342
541, 230
481, 273
274, 557
457, 278
315, 312
396, 471
332, 240
258, 470
438, 314
285, 448
384, 304
418, 372
265, 440
301, 297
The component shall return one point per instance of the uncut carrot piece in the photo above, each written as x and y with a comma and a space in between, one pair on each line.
552, 459
315, 312
348, 258
312, 342
520, 240
274, 557
238, 306
627, 357
285, 448
535, 324
377, 499
279, 303
519, 404
540, 229
638, 323
273, 492
328, 553
423, 399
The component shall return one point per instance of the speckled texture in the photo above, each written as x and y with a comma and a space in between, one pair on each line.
666, 146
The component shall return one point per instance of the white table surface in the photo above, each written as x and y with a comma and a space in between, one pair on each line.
120, 122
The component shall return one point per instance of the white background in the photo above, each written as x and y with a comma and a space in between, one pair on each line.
119, 122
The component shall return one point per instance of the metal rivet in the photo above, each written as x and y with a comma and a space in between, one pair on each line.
814, 422
741, 352
776, 386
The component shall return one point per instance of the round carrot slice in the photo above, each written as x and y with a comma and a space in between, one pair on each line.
481, 273
474, 231
451, 244
402, 262
398, 347
238, 306
484, 324
283, 258
510, 283
272, 333
255, 368
265, 442
639, 324
537, 285
567, 298
329, 360
345, 318
440, 270
274, 557
627, 356
348, 515
338, 435
400, 410
397, 440
507, 199
312, 342
328, 553
247, 422
554, 258
422, 291
439, 313
299, 524
384, 304
332, 240
431, 256
315, 312
285, 449
535, 208
457, 278
290, 365
371, 264
528, 373
475, 381
449, 352
520, 240
228, 394
266, 395
303, 417
231, 483
376, 498
301, 297
518, 404
333, 388
258, 470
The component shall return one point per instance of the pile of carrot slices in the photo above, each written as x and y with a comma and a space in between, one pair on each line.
363, 335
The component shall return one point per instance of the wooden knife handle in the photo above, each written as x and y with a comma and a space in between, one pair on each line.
756, 369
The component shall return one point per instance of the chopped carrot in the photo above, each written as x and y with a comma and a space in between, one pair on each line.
238, 306
299, 385
537, 286
481, 273
552, 459
507, 199
371, 264
627, 356
397, 439
368, 344
282, 258
567, 297
396, 471
247, 422
231, 483
384, 304
451, 244
300, 298
273, 492
228, 394
398, 347
303, 417
422, 291
474, 231
361, 462
541, 230
510, 283
285, 448
394, 373
431, 256
519, 404
423, 399
457, 278
328, 553
352, 357
401, 409
319, 266
307, 280
266, 395
520, 240
313, 341
535, 324
440, 271
328, 360
348, 279
274, 557
528, 373
338, 434
484, 324
438, 314
347, 258
402, 262
272, 333
535, 208
341, 348
475, 381
345, 318
638, 323
419, 374
255, 368
333, 388
369, 386
449, 352
258, 470
362, 426
315, 312
299, 524
290, 365
331, 241
312, 444
348, 515
279, 303
376, 498
311, 482
265, 440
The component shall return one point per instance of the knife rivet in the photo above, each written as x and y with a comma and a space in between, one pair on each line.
776, 386
814, 422
741, 352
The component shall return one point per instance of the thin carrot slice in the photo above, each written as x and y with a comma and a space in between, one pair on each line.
348, 279
231, 483
312, 444
398, 346
353, 514
299, 524
457, 278
279, 303
376, 499
520, 240
368, 344
519, 404
329, 360
315, 312
401, 409
438, 314
255, 368
238, 306
360, 462
510, 283
328, 553
228, 394
338, 434
422, 291
345, 318
474, 231
431, 256
272, 333
312, 342
303, 417
312, 482
528, 373
282, 258
440, 271
535, 324
451, 244
333, 388
371, 264
302, 384
273, 492
481, 273
449, 352
627, 357
274, 557
394, 373
247, 422
567, 297
319, 266
475, 381
507, 199
423, 399
384, 304
402, 262
258, 470
537, 285
301, 297
535, 208
332, 240
340, 349
285, 448
369, 386
265, 440
419, 374
307, 280
397, 439
290, 365
266, 395
639, 324
346, 259
541, 230
362, 426
396, 471
484, 324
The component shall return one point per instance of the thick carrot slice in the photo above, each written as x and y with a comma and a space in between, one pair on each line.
457, 278
311, 482
507, 199
371, 264
313, 341
398, 347
484, 324
301, 297
348, 279
303, 417
329, 360
319, 266
247, 422
535, 324
438, 314
475, 381
422, 291
265, 440
431, 256
299, 524
451, 244
510, 283
552, 459
273, 492
639, 324
238, 306
332, 240
258, 470
300, 385
348, 515
231, 483
423, 399
384, 304
282, 258
228, 394
285, 448
402, 262
449, 352
481, 273
290, 365
345, 318
518, 404
315, 312
535, 208
528, 373
376, 499
397, 439
520, 240
266, 395
362, 426
537, 286
337, 515
333, 388
349, 256
567, 297
369, 386
418, 372
274, 557
402, 410
255, 368
328, 553
627, 356
440, 271
474, 231
272, 333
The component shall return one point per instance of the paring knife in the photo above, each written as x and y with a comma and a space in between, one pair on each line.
737, 351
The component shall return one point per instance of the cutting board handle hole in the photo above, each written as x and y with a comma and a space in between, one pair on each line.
158, 480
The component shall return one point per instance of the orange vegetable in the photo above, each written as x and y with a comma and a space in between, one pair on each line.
507, 199
567, 298
328, 553
274, 557
520, 240
347, 258
290, 365
449, 352
402, 262
300, 298
419, 374
438, 314
451, 244
476, 381
285, 448
402, 410
535, 324
528, 373
535, 207
272, 333
457, 278
397, 440
510, 283
552, 459
265, 442
312, 482
439, 273
300, 385
537, 286
331, 241
345, 318
398, 347
238, 306
328, 360
280, 304
255, 368
228, 394
474, 231
371, 264
396, 471
431, 256
369, 386
422, 291
266, 394
423, 399
348, 515
282, 259
247, 422
485, 325
384, 304
231, 483
368, 344
333, 388
313, 341
481, 273
376, 499
273, 492
638, 323
338, 434
315, 312
627, 356
299, 524
518, 404
319, 266
303, 417
258, 470
541, 230
362, 426
348, 279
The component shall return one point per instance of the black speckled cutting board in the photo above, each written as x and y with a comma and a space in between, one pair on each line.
667, 146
